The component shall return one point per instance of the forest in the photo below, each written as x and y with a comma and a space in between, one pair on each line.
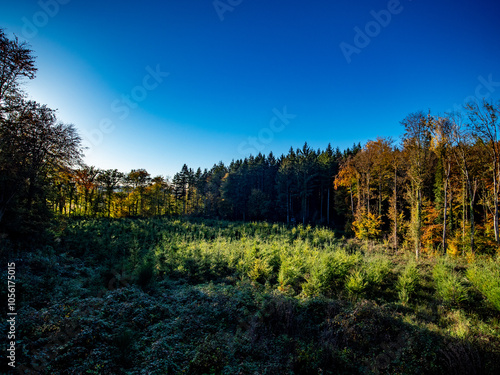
436, 190
381, 258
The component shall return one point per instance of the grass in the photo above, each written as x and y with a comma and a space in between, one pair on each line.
207, 297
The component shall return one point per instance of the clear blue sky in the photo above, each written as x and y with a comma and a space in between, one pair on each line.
234, 68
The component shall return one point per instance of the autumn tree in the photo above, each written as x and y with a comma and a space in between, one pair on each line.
484, 122
463, 149
139, 179
16, 63
159, 190
363, 163
110, 180
443, 143
396, 216
348, 177
34, 146
63, 190
380, 151
416, 142
86, 178
367, 225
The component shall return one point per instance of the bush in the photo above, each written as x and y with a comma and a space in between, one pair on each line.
448, 285
230, 326
356, 284
210, 357
407, 282
260, 271
377, 268
485, 275
291, 273
329, 272
367, 226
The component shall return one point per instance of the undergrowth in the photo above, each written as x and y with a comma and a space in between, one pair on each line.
163, 296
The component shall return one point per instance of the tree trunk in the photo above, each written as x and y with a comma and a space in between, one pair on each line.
495, 217
445, 208
358, 203
451, 219
464, 217
395, 209
379, 197
418, 224
352, 201
368, 194
472, 196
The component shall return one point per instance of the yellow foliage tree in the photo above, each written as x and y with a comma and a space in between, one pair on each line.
432, 229
367, 225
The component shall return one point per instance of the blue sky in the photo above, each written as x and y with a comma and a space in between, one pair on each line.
248, 76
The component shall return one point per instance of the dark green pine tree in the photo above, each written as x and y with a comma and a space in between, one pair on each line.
285, 185
306, 174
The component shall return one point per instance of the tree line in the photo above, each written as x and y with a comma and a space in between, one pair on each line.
34, 145
434, 189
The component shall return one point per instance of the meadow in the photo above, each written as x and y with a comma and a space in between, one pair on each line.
173, 296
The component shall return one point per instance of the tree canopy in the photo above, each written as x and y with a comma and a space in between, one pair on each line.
35, 148
436, 189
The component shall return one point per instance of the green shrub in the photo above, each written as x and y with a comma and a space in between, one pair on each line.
448, 285
485, 275
209, 357
291, 272
260, 271
230, 326
329, 272
377, 268
356, 284
407, 282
